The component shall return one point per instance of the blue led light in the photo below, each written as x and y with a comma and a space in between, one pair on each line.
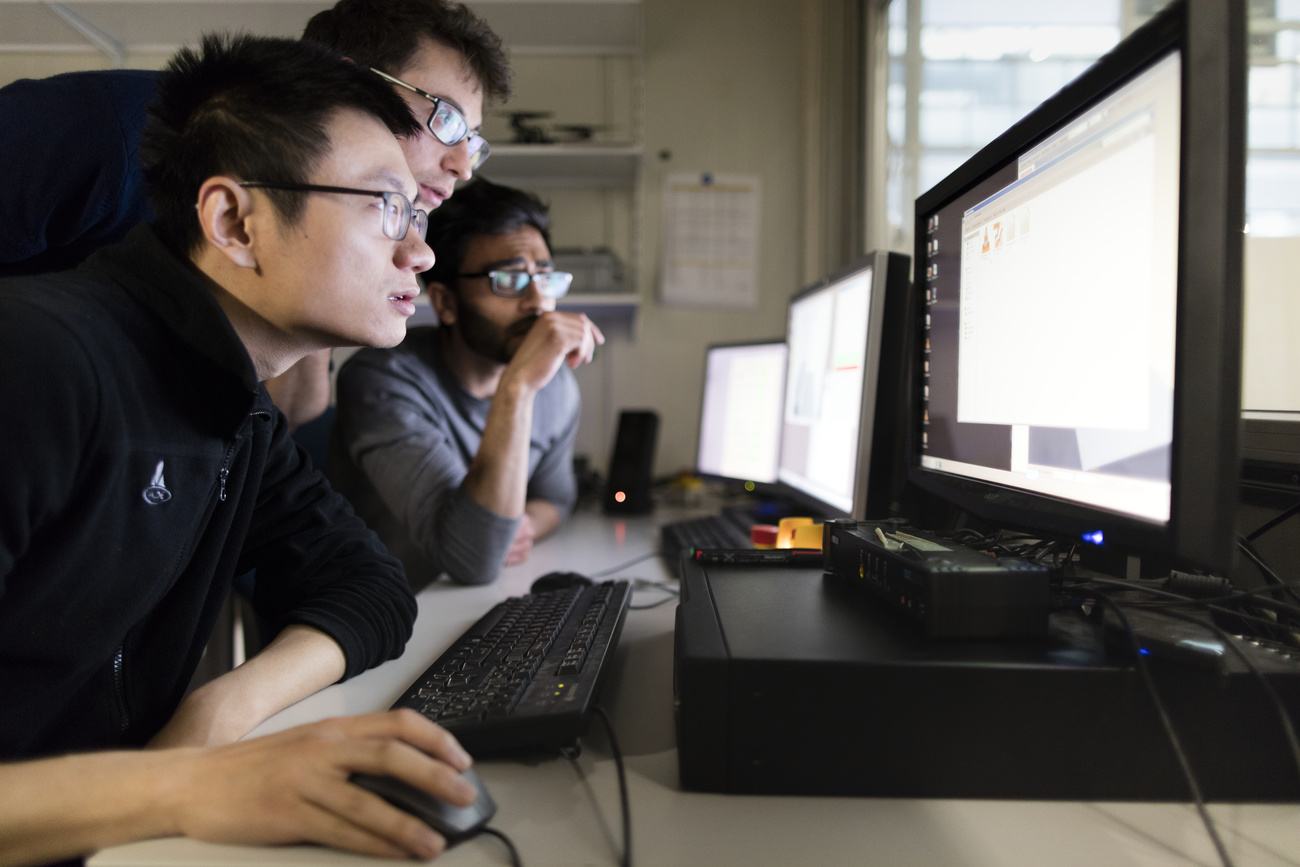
1144, 651
1095, 537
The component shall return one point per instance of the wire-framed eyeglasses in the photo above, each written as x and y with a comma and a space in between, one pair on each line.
397, 217
446, 123
512, 284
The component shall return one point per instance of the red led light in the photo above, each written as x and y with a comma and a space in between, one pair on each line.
619, 496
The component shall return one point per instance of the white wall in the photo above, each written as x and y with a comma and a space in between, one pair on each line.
1271, 360
722, 80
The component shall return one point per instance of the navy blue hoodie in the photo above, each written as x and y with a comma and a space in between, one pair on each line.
142, 465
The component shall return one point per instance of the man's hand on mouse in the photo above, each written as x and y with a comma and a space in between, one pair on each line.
293, 786
553, 338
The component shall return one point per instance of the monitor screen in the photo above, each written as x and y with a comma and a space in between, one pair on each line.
1080, 281
740, 420
1051, 324
830, 387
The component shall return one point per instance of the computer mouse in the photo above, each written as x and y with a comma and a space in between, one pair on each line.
454, 823
559, 581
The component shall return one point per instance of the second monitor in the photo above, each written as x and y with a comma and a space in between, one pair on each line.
844, 396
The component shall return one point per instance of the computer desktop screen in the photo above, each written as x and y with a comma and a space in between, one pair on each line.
1071, 378
740, 418
834, 334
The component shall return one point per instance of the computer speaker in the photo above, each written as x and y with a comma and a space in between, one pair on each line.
627, 491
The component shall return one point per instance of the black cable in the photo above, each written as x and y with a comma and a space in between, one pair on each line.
1232, 597
1131, 585
641, 583
1264, 528
1255, 597
514, 853
622, 786
1195, 787
653, 605
1269, 575
623, 566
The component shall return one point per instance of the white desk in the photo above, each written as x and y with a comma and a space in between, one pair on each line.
564, 813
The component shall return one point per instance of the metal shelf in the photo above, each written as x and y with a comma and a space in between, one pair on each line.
564, 165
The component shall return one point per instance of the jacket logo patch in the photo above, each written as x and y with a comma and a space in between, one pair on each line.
157, 491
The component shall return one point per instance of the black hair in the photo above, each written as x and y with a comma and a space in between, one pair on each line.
255, 109
479, 208
385, 34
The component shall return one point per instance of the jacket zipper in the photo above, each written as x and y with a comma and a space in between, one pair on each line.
119, 692
224, 472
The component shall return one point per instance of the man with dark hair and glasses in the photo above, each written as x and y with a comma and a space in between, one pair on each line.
69, 162
144, 466
457, 446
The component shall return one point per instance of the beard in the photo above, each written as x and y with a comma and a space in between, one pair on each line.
488, 339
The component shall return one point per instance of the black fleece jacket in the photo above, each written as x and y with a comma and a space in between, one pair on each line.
142, 465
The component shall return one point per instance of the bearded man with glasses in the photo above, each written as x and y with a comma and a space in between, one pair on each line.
457, 446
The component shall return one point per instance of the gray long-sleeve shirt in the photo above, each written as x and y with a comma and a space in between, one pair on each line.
402, 444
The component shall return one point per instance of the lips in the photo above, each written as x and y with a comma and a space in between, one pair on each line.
404, 302
433, 196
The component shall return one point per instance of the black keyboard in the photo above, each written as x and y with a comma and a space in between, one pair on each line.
528, 673
730, 529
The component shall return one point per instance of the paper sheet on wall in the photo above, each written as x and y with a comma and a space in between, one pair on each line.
710, 241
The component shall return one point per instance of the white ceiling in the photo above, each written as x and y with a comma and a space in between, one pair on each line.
603, 26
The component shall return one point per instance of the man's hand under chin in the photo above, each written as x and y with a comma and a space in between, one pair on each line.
552, 339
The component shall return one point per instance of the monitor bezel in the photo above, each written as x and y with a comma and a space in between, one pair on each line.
699, 428
1204, 467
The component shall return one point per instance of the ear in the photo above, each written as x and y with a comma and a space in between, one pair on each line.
443, 301
224, 209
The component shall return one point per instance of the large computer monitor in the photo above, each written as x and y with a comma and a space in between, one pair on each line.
842, 393
1080, 336
740, 417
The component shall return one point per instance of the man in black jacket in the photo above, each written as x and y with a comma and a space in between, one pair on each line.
144, 465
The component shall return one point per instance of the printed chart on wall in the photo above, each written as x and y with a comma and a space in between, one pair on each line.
710, 241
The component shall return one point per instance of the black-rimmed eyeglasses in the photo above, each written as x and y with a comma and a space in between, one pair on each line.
398, 214
512, 284
446, 123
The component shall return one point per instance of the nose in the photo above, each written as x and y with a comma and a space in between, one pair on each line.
533, 300
456, 160
413, 254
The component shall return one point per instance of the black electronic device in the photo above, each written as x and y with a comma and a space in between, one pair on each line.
949, 589
1077, 354
558, 581
627, 490
452, 822
526, 131
793, 681
528, 673
730, 528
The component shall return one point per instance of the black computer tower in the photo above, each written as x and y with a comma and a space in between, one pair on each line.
795, 681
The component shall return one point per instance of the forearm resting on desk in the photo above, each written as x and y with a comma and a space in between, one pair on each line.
300, 661
540, 520
284, 788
